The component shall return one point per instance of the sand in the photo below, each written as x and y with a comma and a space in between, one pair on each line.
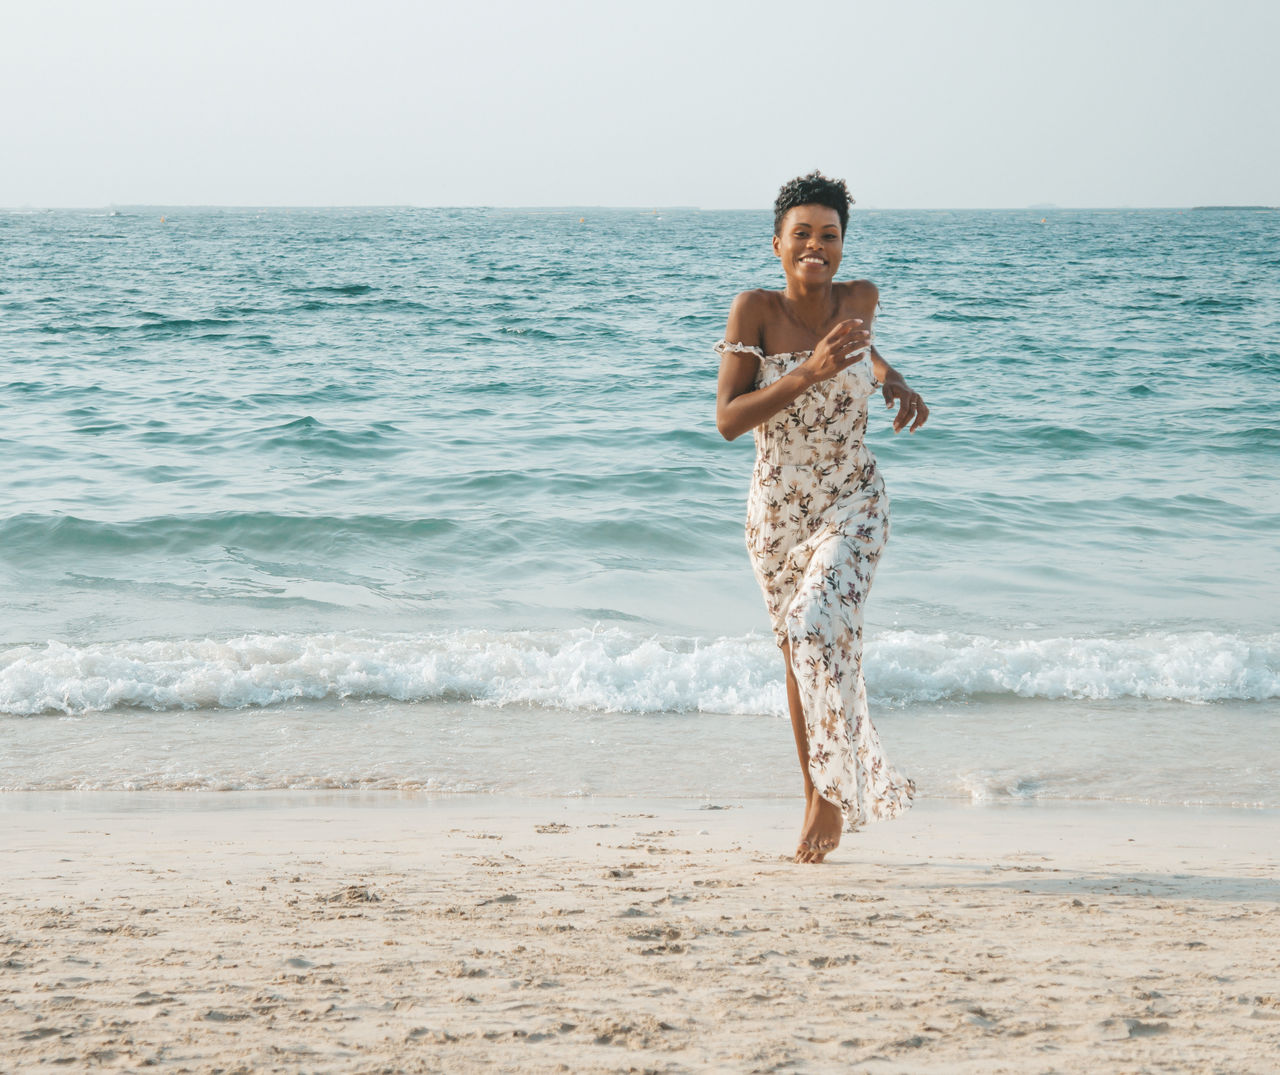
294, 933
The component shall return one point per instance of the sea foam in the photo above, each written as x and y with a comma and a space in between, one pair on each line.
613, 670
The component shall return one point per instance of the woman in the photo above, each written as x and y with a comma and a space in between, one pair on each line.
797, 367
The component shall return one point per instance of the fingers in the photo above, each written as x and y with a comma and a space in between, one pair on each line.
840, 348
911, 409
842, 327
853, 343
845, 334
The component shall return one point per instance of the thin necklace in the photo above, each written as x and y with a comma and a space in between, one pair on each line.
835, 308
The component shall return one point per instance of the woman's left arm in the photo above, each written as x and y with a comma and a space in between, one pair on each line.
911, 408
864, 299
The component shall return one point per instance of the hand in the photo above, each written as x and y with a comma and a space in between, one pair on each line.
837, 350
910, 405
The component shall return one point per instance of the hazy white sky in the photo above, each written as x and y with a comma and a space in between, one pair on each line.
650, 102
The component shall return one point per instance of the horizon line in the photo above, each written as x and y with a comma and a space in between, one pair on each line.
646, 207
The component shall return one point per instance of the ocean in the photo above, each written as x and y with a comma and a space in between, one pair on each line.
432, 501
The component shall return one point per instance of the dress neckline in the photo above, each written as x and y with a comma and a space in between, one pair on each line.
750, 348
725, 345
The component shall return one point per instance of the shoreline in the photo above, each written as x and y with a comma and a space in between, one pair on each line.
425, 801
1041, 752
469, 933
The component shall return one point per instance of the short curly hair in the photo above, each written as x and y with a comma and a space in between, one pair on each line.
812, 189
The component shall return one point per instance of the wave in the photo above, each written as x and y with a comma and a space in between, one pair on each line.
615, 670
315, 436
333, 289
31, 533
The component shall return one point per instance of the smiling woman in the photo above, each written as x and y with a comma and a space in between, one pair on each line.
797, 367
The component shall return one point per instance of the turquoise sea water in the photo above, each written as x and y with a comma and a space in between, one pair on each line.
304, 482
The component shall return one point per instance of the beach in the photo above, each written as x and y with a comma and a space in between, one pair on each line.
384, 685
203, 932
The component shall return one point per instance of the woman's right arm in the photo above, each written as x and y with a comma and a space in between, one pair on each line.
739, 407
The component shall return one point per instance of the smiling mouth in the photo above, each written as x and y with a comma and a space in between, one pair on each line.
810, 259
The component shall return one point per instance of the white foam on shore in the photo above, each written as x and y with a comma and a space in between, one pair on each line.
617, 671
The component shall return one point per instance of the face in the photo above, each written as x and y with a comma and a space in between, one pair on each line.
809, 243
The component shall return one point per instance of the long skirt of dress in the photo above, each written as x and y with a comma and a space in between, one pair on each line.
816, 567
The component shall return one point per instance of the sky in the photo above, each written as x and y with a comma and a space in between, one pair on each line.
916, 103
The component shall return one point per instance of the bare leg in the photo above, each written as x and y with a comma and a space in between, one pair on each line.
823, 822
798, 729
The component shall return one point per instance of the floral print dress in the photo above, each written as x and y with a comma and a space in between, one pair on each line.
817, 521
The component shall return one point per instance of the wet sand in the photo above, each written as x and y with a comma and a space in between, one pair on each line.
248, 933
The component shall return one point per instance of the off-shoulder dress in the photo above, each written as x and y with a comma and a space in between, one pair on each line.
817, 521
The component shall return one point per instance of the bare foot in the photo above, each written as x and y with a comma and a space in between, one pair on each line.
822, 827
802, 848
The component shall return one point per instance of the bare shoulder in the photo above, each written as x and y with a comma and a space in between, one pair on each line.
748, 315
859, 298
864, 289
755, 303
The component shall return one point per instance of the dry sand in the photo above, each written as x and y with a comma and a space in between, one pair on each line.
231, 933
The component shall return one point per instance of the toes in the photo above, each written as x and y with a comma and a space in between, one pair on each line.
821, 849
